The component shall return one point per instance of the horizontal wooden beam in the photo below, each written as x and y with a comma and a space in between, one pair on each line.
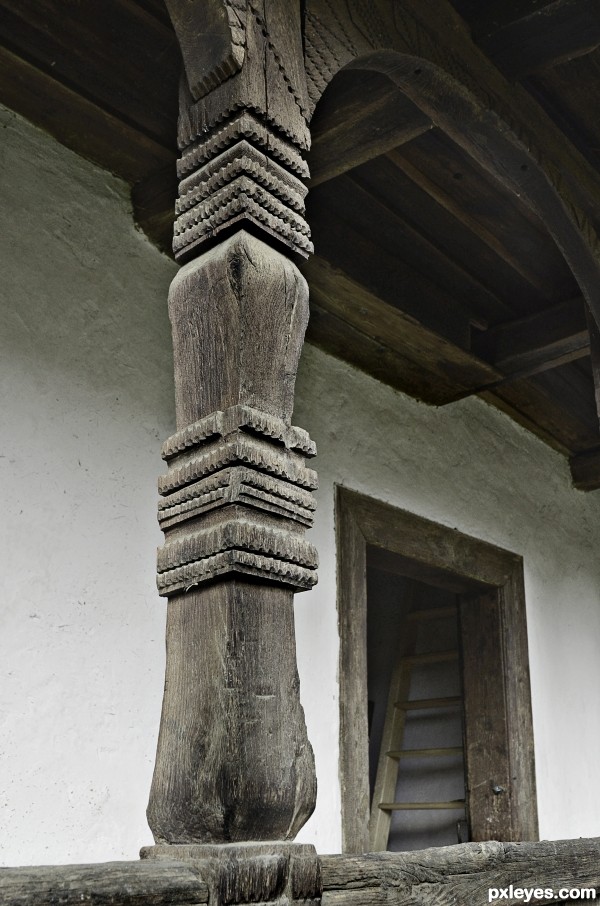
361, 116
350, 319
522, 36
78, 123
585, 470
536, 343
115, 53
461, 874
152, 883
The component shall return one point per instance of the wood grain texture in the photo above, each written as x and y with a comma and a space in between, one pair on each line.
488, 774
450, 876
105, 884
247, 305
278, 873
233, 762
458, 875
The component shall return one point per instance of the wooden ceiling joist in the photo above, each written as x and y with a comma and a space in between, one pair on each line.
522, 36
366, 118
534, 344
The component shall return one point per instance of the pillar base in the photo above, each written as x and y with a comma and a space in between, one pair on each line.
258, 873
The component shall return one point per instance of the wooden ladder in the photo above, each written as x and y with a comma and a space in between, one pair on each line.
392, 752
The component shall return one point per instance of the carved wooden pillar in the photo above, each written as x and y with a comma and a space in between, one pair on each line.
234, 762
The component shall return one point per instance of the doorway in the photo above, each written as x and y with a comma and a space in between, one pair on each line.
432, 567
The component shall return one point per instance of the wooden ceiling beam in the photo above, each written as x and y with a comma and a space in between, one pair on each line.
77, 122
114, 53
518, 262
538, 342
365, 117
585, 470
351, 320
522, 36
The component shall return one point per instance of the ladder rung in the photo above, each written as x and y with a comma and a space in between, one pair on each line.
416, 806
423, 704
431, 657
426, 753
436, 613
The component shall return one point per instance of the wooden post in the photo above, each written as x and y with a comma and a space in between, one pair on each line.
234, 763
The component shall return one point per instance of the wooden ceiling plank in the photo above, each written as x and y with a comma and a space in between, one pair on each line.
113, 53
525, 266
435, 370
369, 117
536, 343
570, 94
522, 36
405, 239
358, 256
78, 123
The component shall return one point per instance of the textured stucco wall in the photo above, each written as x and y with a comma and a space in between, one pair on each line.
85, 398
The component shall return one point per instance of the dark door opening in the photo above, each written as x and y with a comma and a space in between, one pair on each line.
478, 657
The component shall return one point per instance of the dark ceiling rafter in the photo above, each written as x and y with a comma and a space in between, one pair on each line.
523, 36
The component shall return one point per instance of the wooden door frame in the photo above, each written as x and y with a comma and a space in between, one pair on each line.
442, 556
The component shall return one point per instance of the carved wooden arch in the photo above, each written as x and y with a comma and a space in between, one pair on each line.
392, 38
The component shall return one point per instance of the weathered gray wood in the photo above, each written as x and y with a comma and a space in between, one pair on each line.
459, 875
278, 873
452, 560
233, 760
105, 884
487, 766
234, 763
594, 341
450, 876
429, 366
389, 39
354, 734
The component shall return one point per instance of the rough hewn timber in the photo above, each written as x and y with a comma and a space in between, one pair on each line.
234, 763
105, 884
459, 875
450, 876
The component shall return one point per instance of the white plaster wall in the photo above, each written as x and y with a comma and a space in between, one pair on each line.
471, 468
85, 398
